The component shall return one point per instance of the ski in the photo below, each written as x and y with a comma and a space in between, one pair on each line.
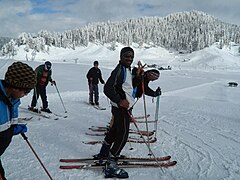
105, 129
99, 107
25, 118
129, 140
36, 112
41, 113
141, 117
149, 121
99, 128
131, 132
60, 115
95, 134
121, 165
129, 159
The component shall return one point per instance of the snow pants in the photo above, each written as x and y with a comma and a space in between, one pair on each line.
40, 90
93, 89
119, 131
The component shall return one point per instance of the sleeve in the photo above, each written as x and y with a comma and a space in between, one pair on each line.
110, 87
50, 76
137, 80
148, 90
88, 74
100, 77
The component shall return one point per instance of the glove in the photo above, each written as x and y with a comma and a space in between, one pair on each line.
158, 92
19, 128
53, 83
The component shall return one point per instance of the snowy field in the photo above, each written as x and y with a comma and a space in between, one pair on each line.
198, 126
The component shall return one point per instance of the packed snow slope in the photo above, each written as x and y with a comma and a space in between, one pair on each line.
198, 118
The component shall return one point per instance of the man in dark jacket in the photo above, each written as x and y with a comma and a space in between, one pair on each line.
18, 82
44, 76
94, 75
119, 90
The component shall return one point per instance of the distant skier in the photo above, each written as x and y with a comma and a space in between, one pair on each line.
44, 76
18, 82
94, 75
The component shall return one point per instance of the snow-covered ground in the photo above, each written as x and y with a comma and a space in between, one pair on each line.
198, 119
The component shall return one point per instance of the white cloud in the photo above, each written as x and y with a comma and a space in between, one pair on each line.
27, 15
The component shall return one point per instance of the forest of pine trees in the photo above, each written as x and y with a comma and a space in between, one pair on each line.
188, 31
3, 41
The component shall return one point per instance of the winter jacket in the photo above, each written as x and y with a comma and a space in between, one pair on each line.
7, 114
39, 71
96, 74
120, 86
139, 90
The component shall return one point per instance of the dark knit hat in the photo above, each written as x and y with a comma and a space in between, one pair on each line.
48, 65
95, 63
152, 74
125, 50
20, 75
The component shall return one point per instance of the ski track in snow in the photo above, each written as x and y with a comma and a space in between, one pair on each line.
208, 155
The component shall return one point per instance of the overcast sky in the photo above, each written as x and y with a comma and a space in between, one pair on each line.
31, 16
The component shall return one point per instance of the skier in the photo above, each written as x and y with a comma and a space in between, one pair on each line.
18, 82
94, 75
44, 76
149, 75
119, 90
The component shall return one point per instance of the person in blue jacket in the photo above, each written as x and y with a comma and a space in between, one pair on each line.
19, 79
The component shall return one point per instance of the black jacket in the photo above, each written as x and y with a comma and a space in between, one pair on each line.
96, 74
147, 89
113, 87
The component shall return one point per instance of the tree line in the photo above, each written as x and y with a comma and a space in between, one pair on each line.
188, 31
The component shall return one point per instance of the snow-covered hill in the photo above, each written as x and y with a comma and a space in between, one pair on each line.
198, 119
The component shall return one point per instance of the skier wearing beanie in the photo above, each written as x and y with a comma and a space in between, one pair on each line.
119, 89
18, 82
44, 76
149, 75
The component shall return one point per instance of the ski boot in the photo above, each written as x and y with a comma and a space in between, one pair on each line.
46, 110
30, 108
111, 170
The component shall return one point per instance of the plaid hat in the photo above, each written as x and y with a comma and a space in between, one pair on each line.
20, 75
125, 50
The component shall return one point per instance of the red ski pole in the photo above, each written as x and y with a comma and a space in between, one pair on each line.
26, 139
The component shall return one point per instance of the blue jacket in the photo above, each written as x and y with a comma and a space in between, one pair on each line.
7, 115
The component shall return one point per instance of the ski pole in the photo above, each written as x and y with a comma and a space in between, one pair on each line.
145, 142
145, 111
156, 114
26, 139
60, 98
